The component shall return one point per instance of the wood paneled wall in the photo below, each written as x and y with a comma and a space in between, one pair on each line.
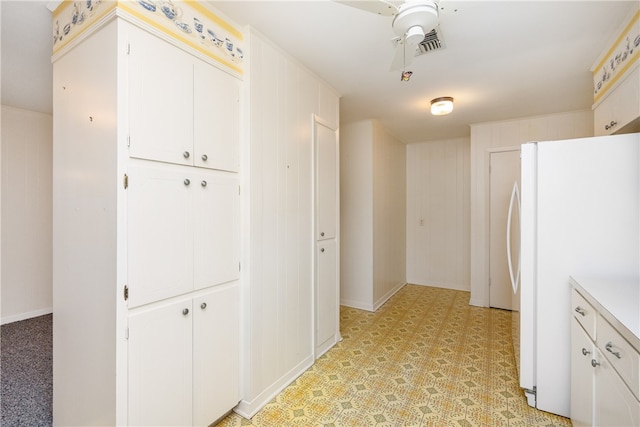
490, 136
27, 152
438, 213
278, 261
372, 215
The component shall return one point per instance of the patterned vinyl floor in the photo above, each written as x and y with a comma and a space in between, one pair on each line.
425, 358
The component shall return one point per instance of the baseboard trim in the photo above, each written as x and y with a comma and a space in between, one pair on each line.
388, 295
357, 304
247, 409
25, 316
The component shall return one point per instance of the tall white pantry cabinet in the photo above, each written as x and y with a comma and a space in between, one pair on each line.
146, 231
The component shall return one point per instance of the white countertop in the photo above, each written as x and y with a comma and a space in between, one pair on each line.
617, 300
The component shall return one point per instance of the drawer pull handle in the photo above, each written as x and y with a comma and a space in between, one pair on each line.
610, 125
594, 363
580, 311
585, 351
609, 346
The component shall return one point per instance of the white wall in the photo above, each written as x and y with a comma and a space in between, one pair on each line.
389, 215
438, 214
372, 215
278, 296
489, 136
26, 281
356, 215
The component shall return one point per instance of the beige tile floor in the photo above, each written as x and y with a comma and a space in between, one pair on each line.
425, 358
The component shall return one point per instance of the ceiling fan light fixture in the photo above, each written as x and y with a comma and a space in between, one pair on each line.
441, 106
414, 35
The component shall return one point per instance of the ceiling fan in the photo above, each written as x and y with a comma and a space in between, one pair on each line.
412, 19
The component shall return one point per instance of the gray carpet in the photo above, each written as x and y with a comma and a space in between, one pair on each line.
26, 372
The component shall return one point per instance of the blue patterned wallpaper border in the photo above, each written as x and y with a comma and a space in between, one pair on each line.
186, 21
624, 53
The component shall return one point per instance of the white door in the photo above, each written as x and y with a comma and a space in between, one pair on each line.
326, 181
581, 376
216, 238
160, 232
326, 292
216, 118
615, 405
504, 171
216, 354
160, 100
160, 366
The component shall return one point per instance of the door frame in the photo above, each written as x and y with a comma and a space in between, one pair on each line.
315, 122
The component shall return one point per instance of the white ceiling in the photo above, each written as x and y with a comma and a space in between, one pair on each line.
503, 59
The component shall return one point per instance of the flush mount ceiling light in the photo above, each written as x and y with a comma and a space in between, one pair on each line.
441, 106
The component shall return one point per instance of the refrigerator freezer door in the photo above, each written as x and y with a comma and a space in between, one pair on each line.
527, 342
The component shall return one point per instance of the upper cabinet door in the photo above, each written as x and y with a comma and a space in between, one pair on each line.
160, 100
160, 232
216, 229
326, 181
216, 118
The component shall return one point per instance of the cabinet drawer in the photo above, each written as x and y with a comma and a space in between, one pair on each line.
584, 313
620, 354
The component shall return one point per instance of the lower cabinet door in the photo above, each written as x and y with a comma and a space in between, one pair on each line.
326, 293
581, 376
614, 403
216, 354
160, 365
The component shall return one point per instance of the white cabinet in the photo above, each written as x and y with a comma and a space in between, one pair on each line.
327, 182
620, 107
327, 274
604, 365
183, 360
146, 239
614, 404
216, 114
182, 110
582, 351
160, 365
326, 292
183, 230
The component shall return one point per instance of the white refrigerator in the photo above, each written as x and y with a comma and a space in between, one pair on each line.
580, 216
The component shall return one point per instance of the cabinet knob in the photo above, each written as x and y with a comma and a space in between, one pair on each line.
585, 351
187, 181
594, 363
185, 311
203, 305
204, 157
322, 234
580, 311
186, 154
609, 346
321, 249
203, 183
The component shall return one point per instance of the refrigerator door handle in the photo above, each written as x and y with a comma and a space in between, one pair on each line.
515, 199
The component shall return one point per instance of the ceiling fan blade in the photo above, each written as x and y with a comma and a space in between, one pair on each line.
403, 56
380, 7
